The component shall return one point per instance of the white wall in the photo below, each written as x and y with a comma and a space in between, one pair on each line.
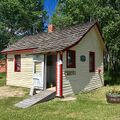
23, 78
84, 80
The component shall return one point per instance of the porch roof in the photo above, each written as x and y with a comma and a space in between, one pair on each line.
51, 42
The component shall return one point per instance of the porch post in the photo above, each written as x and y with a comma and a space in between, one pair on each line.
45, 72
59, 77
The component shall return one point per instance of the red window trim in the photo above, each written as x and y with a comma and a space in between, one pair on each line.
74, 59
93, 64
15, 70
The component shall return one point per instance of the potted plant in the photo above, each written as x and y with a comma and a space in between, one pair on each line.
113, 96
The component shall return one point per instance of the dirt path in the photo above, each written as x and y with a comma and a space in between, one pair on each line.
7, 91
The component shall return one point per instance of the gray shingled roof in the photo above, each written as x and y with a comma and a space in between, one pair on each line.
51, 42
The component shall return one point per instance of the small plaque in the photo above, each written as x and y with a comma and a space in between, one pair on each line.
10, 59
83, 58
70, 72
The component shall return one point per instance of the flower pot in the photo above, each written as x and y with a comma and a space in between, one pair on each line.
111, 98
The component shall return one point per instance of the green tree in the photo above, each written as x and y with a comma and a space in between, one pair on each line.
74, 11
19, 16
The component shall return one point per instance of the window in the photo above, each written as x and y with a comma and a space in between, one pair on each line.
71, 59
17, 63
91, 62
37, 67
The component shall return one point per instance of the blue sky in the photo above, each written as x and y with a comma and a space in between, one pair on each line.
50, 7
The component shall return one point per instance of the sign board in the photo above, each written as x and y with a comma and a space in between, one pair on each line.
82, 58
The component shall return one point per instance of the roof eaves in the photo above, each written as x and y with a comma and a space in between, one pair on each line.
22, 50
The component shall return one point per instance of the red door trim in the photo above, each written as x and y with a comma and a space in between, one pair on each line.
59, 77
6, 67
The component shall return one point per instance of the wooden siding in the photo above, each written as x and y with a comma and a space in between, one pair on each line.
84, 80
23, 78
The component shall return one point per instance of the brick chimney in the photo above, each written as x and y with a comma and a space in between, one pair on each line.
51, 28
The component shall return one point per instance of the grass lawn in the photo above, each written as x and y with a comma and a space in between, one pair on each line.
87, 106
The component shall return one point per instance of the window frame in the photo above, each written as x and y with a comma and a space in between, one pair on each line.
92, 64
15, 63
35, 70
73, 65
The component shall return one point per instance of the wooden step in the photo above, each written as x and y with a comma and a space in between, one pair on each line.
37, 98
